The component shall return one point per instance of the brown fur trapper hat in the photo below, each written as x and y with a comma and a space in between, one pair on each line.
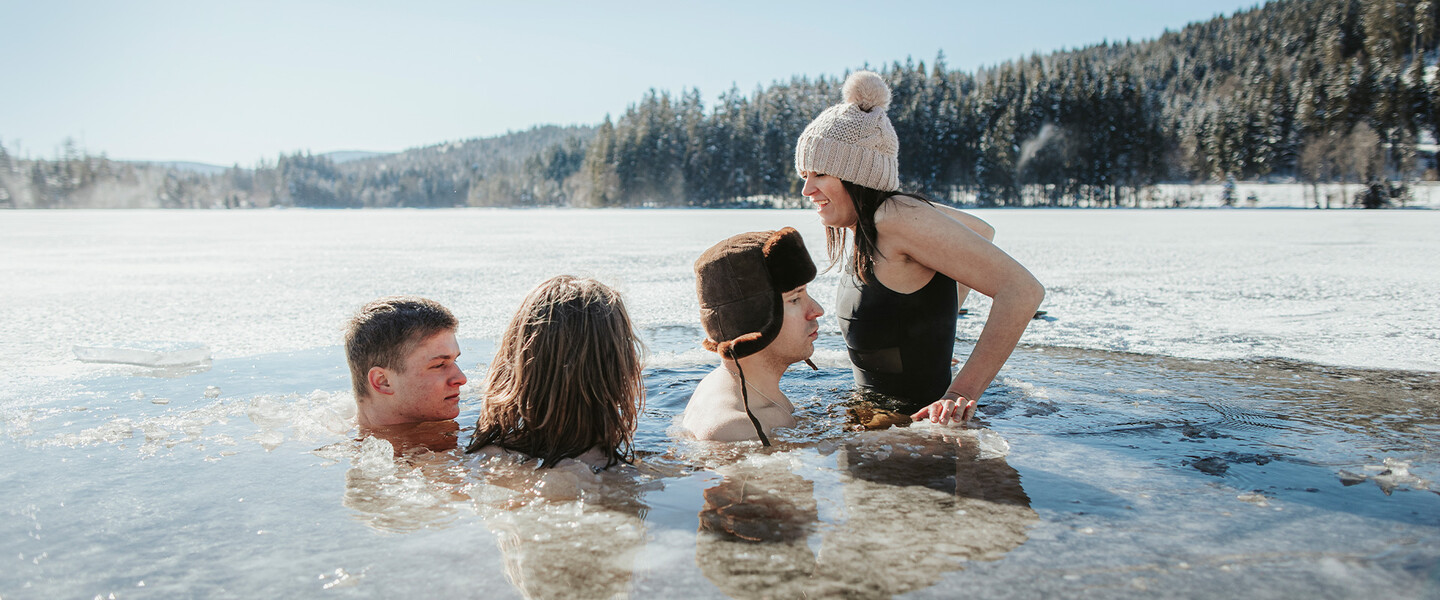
739, 282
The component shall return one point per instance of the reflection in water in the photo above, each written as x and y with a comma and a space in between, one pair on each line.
566, 532
394, 490
753, 529
880, 513
756, 504
917, 503
937, 499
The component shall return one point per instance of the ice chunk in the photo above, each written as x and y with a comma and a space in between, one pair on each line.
376, 458
1395, 474
1256, 498
991, 444
340, 578
146, 354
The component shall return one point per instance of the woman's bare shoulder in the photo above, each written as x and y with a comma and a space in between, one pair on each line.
901, 212
902, 202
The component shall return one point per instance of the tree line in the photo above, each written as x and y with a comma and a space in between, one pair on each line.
1321, 91
1318, 90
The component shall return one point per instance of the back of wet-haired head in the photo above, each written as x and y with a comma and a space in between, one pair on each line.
566, 377
385, 330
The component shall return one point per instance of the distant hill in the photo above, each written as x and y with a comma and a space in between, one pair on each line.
479, 171
344, 156
1318, 92
515, 168
184, 166
483, 154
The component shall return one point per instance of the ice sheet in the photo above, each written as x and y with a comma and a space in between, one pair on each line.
1346, 288
145, 354
1259, 474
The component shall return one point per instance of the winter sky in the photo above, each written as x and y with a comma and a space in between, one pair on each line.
228, 83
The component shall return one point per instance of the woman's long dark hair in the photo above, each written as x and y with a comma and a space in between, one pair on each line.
862, 257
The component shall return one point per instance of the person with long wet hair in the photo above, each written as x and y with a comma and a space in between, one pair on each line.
910, 263
566, 379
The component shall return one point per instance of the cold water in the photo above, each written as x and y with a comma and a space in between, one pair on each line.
1217, 403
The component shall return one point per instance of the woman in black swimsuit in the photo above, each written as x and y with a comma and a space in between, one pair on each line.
910, 265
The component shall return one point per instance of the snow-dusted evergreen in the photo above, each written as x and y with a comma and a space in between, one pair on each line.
1337, 94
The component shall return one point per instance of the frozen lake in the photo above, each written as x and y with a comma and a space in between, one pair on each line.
1219, 402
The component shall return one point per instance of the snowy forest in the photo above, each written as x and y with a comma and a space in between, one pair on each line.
1313, 91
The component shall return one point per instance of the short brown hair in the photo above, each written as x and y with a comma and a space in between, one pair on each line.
566, 378
385, 330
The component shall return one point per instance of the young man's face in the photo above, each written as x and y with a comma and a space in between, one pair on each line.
796, 341
429, 387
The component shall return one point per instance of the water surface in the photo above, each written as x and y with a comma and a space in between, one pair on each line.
1235, 455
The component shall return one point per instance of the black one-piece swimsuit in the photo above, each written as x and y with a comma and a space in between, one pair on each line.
900, 344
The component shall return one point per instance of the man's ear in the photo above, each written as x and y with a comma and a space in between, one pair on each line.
379, 381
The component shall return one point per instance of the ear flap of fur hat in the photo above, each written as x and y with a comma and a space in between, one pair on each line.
739, 282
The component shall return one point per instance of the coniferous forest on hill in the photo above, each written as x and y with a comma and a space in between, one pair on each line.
1315, 91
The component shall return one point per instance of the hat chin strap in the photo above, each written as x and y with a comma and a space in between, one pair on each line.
745, 398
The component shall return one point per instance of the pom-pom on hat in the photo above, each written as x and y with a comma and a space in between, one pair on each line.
854, 140
739, 282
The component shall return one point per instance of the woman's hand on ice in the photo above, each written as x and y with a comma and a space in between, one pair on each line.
952, 408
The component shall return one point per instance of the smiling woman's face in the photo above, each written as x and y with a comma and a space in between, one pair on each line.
831, 201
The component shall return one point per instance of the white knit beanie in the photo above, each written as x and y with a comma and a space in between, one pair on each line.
854, 140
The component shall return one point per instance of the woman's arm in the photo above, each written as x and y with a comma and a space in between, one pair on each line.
933, 238
977, 225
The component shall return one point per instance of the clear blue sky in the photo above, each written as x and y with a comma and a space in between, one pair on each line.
234, 82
